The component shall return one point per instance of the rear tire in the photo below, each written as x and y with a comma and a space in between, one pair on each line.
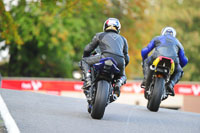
101, 99
156, 94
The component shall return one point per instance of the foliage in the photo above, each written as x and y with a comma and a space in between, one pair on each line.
7, 27
47, 37
53, 36
54, 33
184, 16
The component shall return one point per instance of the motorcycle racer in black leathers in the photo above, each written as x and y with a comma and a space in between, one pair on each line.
109, 44
165, 45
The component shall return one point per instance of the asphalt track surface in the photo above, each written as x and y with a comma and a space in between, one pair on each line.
41, 113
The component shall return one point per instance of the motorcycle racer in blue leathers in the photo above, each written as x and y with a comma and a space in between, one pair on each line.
165, 45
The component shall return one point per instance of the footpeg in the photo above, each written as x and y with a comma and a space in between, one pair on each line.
87, 94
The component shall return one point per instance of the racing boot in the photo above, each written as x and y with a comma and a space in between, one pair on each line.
145, 69
144, 80
118, 85
174, 79
117, 88
87, 81
143, 84
170, 88
87, 76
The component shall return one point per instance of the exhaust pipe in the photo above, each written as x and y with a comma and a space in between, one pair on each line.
152, 67
113, 98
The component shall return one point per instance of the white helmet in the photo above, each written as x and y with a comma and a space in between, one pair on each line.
168, 30
112, 24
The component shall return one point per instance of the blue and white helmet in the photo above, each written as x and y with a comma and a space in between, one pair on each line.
168, 30
112, 24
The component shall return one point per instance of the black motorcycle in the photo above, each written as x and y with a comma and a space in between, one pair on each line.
158, 76
101, 92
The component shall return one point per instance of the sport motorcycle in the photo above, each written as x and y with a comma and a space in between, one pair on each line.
101, 92
157, 78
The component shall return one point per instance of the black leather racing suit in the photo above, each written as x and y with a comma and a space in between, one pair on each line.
110, 44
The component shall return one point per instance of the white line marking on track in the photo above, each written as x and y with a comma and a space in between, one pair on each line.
7, 118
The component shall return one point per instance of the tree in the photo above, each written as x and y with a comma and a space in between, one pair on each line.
47, 37
53, 36
8, 29
184, 17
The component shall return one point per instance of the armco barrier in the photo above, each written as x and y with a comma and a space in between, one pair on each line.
57, 86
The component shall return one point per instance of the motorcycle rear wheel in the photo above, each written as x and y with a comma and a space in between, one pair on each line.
101, 99
156, 94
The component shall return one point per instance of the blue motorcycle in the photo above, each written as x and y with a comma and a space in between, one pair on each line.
101, 92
